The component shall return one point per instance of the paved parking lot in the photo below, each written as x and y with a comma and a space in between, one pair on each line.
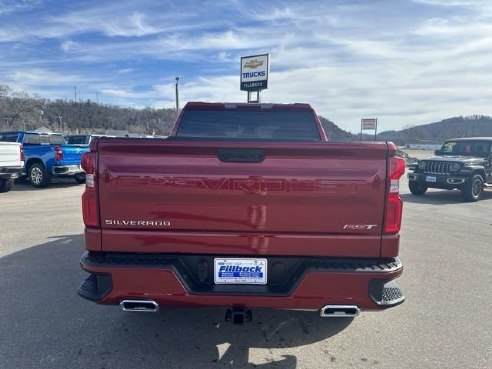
446, 322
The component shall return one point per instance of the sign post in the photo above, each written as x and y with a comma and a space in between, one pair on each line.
254, 75
370, 124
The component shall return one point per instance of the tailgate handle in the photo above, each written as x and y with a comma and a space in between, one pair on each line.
241, 155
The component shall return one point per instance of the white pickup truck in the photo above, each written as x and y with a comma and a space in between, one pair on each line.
11, 164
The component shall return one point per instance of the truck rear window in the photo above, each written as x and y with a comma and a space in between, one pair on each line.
32, 139
8, 137
77, 140
56, 140
268, 125
35, 139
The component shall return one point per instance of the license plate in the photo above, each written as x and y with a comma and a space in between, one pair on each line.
430, 179
240, 271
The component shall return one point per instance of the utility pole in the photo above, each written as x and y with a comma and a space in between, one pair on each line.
60, 118
376, 131
97, 97
75, 93
177, 97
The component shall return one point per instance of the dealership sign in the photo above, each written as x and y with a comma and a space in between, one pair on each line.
254, 72
369, 123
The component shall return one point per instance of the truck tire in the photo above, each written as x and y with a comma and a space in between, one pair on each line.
79, 177
6, 185
417, 189
472, 190
38, 175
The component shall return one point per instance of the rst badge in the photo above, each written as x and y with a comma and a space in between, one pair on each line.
359, 227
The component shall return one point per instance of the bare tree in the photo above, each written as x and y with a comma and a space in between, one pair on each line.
21, 107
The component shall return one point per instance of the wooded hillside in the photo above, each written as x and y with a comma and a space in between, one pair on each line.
25, 112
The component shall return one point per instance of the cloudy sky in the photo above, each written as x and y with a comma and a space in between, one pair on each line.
402, 61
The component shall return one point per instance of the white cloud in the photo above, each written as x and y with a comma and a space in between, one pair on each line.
127, 94
125, 70
38, 76
69, 46
347, 94
349, 61
133, 25
448, 3
8, 7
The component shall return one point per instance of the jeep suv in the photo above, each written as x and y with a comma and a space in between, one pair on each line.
462, 163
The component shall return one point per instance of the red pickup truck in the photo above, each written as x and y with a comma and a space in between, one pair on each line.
243, 206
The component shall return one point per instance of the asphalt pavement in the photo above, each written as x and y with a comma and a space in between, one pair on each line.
446, 248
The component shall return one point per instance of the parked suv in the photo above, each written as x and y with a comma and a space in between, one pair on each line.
462, 163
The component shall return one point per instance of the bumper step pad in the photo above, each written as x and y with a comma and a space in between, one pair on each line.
386, 294
95, 287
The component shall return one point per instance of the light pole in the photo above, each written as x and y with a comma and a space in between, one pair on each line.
60, 118
177, 97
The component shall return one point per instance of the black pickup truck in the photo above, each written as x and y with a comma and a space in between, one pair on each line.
462, 163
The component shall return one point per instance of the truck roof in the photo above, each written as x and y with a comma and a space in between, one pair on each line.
195, 105
31, 132
471, 139
16, 132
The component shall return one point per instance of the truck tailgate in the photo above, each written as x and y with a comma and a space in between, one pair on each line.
72, 154
10, 155
182, 196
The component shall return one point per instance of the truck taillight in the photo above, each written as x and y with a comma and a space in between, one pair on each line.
58, 153
394, 204
88, 163
22, 157
89, 197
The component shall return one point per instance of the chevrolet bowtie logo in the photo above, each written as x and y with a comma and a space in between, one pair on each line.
253, 64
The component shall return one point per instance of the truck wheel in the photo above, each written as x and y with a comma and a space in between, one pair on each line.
472, 190
417, 189
38, 175
80, 178
6, 185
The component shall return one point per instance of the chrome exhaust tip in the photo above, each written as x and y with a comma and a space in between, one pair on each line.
141, 306
339, 311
